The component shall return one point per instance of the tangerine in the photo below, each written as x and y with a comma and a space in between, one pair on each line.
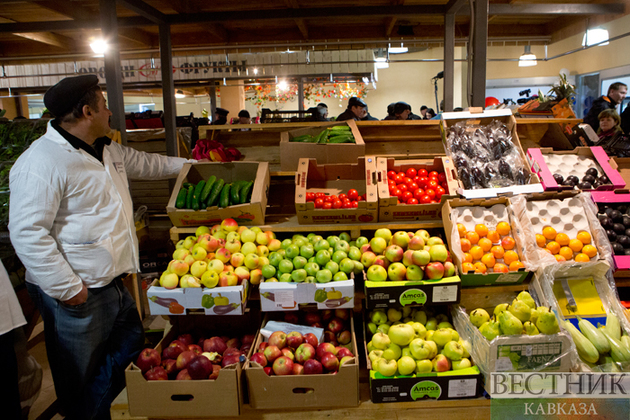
466, 245
589, 250
541, 241
563, 239
549, 233
503, 228
560, 258
461, 229
582, 258
500, 268
477, 252
481, 229
566, 252
488, 260
485, 244
473, 237
466, 267
576, 245
510, 256
480, 268
468, 258
494, 236
515, 265
497, 251
508, 242
584, 237
554, 247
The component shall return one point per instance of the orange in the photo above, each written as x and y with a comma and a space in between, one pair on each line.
481, 229
466, 267
554, 247
480, 268
497, 251
465, 244
589, 250
562, 239
582, 258
549, 233
584, 237
488, 260
503, 228
515, 265
494, 236
467, 257
473, 237
476, 252
508, 242
576, 245
485, 244
541, 241
461, 229
509, 257
566, 252
547, 251
500, 268
560, 258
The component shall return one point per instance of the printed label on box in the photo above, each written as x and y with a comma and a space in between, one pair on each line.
458, 388
503, 364
284, 298
509, 277
444, 294
529, 356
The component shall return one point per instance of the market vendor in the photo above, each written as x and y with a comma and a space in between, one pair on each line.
616, 94
357, 110
220, 116
611, 137
72, 225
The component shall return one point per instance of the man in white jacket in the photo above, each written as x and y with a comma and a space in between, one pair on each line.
71, 223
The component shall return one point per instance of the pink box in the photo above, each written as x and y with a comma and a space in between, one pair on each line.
621, 196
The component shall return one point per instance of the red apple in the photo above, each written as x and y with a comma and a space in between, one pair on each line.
245, 348
283, 366
343, 352
147, 359
327, 314
174, 349
325, 348
259, 358
312, 317
232, 359
330, 362
287, 352
344, 337
313, 367
230, 351
233, 342
214, 344
278, 339
330, 337
294, 339
291, 317
199, 368
304, 352
170, 366
298, 369
184, 358
185, 338
311, 339
335, 325
215, 372
195, 349
200, 341
248, 339
183, 375
343, 314
268, 370
156, 373
317, 325
272, 353
262, 345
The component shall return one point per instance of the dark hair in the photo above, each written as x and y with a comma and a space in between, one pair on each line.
423, 107
400, 107
616, 86
431, 111
610, 113
354, 101
322, 105
90, 99
243, 114
390, 109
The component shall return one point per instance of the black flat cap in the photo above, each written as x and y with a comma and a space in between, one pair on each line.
354, 101
222, 112
61, 98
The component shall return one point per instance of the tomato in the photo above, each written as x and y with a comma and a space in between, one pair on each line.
402, 174
336, 204
320, 195
406, 196
397, 193
362, 197
353, 194
347, 204
412, 200
319, 203
432, 184
391, 174
412, 187
327, 206
425, 199
423, 181
411, 172
442, 177
329, 198
433, 174
430, 193
355, 204
342, 196
310, 196
399, 179
391, 183
407, 180
422, 172
402, 187
417, 194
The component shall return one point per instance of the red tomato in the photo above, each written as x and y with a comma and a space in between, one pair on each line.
355, 204
310, 196
442, 177
320, 195
432, 184
423, 181
391, 183
353, 194
342, 196
397, 193
433, 202
399, 178
391, 174
412, 200
439, 192
411, 172
412, 187
402, 174
417, 194
402, 187
433, 174
319, 203
330, 198
327, 206
406, 196
425, 199
336, 204
422, 172
430, 193
416, 178
347, 204
407, 180
362, 197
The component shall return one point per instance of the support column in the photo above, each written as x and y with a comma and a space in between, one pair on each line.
301, 94
113, 74
480, 53
449, 60
168, 90
233, 97
212, 92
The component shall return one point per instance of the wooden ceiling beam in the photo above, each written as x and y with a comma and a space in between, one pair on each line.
390, 22
138, 36
301, 23
214, 30
49, 38
145, 10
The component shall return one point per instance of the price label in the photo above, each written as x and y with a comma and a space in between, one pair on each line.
509, 277
284, 299
445, 294
462, 388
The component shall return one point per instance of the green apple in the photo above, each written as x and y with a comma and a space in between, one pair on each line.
268, 271
248, 235
332, 266
392, 352
419, 329
431, 324
406, 365
358, 267
467, 347
381, 341
394, 315
414, 273
310, 280
340, 276
275, 258
378, 245
299, 262
286, 243
354, 253
344, 236
370, 346
419, 316
292, 251
299, 275
346, 265
286, 266
386, 368
300, 241
384, 328
461, 364
322, 257
406, 352
332, 240
453, 350
307, 251
324, 276
249, 248
401, 334
372, 327
311, 268
442, 336
424, 366
376, 273
444, 324
210, 279
321, 245
342, 246
315, 238
420, 349
285, 278
337, 256
198, 268
361, 240
384, 233
374, 355
378, 317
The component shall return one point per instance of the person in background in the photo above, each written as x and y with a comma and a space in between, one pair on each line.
323, 111
430, 114
390, 112
220, 116
611, 137
356, 110
616, 94
625, 120
458, 109
402, 110
368, 117
423, 111
243, 117
71, 224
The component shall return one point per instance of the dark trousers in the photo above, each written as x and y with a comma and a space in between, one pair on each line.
10, 394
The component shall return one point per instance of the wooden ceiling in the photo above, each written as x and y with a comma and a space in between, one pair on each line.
50, 29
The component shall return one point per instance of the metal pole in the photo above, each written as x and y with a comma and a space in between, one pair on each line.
480, 53
449, 61
113, 74
168, 90
301, 94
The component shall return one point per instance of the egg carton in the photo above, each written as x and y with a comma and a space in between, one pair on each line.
567, 165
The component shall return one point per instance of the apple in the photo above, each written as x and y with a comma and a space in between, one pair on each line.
156, 373
416, 243
183, 375
397, 272
420, 349
414, 273
407, 258
178, 267
294, 339
272, 352
424, 366
313, 367
394, 253
442, 336
228, 278
344, 337
311, 339
461, 364
323, 348
335, 325
215, 372
232, 359
378, 244
401, 239
190, 241
377, 273
248, 235
453, 350
343, 352
259, 358
304, 352
384, 233
198, 268
216, 265
406, 365
241, 273
229, 225
382, 261
282, 366
274, 245
147, 359
170, 281
385, 367
329, 362
199, 253
170, 366
180, 254
288, 352
381, 341
184, 359
374, 355
174, 349
392, 352
195, 349
199, 368
441, 363
449, 269
278, 339
214, 344
434, 270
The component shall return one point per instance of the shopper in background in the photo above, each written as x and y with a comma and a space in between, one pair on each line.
430, 114
423, 111
611, 137
357, 109
72, 225
616, 93
220, 116
323, 111
625, 120
390, 112
243, 117
402, 111
368, 117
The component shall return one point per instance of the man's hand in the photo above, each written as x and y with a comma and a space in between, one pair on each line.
79, 298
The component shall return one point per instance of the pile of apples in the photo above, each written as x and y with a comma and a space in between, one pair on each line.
223, 255
417, 186
406, 256
408, 341
186, 359
522, 316
336, 324
334, 201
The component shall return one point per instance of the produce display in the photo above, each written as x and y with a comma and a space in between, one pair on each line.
414, 341
615, 218
187, 358
334, 201
590, 178
417, 186
213, 192
330, 135
215, 151
485, 156
406, 256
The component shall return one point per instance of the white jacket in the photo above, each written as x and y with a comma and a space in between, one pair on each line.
71, 216
11, 315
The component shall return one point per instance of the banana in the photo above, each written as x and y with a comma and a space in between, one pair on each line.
586, 349
594, 335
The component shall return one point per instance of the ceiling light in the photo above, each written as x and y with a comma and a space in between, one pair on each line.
381, 63
179, 94
282, 85
398, 50
255, 70
597, 36
527, 59
99, 46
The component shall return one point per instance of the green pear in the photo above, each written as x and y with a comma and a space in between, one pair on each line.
510, 325
500, 308
520, 310
530, 328
490, 330
534, 316
525, 297
547, 323
479, 316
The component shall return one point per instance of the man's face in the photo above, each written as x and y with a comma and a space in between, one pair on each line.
403, 115
423, 112
618, 95
101, 117
359, 111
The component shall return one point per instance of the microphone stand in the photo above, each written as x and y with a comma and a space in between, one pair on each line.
437, 105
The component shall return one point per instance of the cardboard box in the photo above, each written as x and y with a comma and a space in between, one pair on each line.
291, 153
386, 294
614, 197
277, 296
336, 179
252, 213
388, 208
473, 279
451, 118
539, 166
622, 165
304, 391
180, 301
203, 398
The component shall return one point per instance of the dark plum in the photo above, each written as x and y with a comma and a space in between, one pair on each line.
624, 241
616, 216
612, 236
604, 179
588, 178
623, 208
568, 183
574, 179
584, 186
559, 178
465, 177
626, 251
619, 228
479, 177
618, 249
607, 223
608, 211
592, 172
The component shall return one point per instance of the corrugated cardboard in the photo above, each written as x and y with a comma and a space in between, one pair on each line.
252, 213
278, 296
386, 294
388, 208
336, 179
291, 153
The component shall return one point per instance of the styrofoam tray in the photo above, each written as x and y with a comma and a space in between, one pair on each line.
567, 165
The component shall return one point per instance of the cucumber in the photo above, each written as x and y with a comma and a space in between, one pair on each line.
224, 200
321, 138
197, 194
303, 138
207, 189
234, 190
340, 128
213, 198
180, 202
186, 185
189, 197
246, 192
341, 139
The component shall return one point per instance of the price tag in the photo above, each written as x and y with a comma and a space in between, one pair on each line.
284, 299
462, 388
527, 351
445, 294
503, 364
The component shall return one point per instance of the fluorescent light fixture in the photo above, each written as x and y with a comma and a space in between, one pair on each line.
595, 36
255, 70
99, 46
527, 59
398, 50
179, 94
381, 63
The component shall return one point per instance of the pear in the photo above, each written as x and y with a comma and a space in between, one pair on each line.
525, 297
534, 316
478, 317
520, 310
530, 328
490, 330
510, 325
547, 323
500, 308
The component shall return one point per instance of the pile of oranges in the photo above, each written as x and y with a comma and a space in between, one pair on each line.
564, 248
488, 250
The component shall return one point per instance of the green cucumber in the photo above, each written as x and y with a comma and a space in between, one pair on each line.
186, 185
234, 191
224, 200
340, 128
189, 197
197, 194
180, 202
246, 192
213, 198
207, 189
341, 139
